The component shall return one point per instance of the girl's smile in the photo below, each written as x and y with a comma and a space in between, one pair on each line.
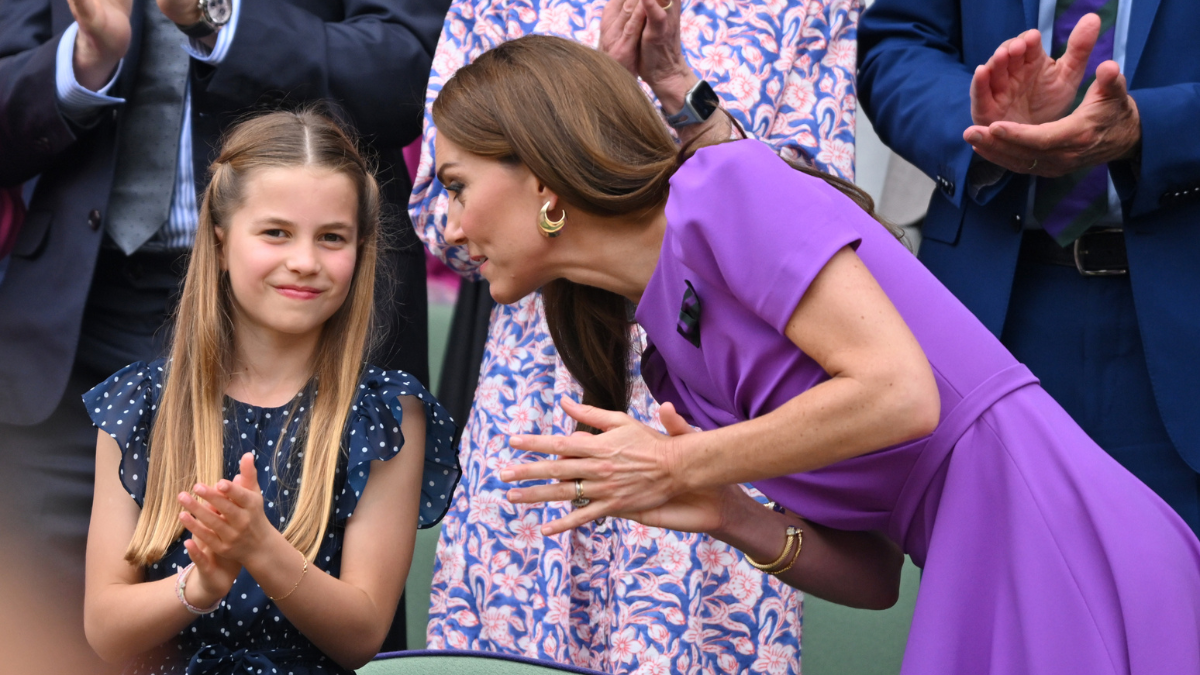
299, 292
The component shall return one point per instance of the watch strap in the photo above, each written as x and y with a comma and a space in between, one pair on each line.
684, 117
200, 29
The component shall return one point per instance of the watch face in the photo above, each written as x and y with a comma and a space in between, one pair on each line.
704, 100
217, 12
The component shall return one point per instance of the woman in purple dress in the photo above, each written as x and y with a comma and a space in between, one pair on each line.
823, 363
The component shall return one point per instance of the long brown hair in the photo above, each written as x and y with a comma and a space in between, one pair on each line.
582, 125
187, 441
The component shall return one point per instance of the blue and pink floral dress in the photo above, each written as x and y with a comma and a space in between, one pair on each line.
618, 596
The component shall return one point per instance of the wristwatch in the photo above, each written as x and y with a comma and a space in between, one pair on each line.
698, 105
213, 15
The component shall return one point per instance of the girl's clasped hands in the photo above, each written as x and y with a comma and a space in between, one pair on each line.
228, 525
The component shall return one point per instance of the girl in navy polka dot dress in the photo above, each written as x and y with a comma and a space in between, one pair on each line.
277, 482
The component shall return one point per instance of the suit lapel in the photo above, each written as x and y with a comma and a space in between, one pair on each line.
1141, 18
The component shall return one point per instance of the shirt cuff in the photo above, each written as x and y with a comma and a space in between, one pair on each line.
200, 51
982, 175
77, 103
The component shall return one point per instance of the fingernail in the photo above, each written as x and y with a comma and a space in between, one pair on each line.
999, 132
975, 138
506, 475
513, 495
546, 530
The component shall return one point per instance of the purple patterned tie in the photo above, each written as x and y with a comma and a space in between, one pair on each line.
1067, 206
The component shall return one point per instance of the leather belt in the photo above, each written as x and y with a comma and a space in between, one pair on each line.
1096, 253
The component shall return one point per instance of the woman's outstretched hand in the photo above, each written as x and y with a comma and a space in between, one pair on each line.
696, 511
230, 522
629, 468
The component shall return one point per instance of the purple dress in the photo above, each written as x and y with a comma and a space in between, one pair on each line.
1040, 553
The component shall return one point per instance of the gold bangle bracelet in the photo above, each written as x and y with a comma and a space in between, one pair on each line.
303, 572
799, 543
787, 548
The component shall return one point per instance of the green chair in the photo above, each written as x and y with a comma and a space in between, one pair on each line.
454, 662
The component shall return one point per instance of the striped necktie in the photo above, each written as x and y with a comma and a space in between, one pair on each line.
1067, 206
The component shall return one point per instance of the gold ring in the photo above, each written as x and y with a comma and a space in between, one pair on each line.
580, 501
668, 5
1031, 166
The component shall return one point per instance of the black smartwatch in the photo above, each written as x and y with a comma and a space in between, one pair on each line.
698, 105
214, 14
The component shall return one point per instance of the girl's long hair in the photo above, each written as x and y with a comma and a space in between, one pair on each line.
187, 440
582, 125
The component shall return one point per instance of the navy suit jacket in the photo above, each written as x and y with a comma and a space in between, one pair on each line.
370, 57
916, 59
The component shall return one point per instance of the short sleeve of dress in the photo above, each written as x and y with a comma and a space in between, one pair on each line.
374, 434
762, 228
124, 406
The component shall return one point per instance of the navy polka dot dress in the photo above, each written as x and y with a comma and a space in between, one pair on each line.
248, 634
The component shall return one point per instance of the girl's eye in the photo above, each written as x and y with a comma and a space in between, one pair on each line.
274, 234
456, 188
332, 237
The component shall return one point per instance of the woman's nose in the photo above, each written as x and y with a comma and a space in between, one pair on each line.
454, 234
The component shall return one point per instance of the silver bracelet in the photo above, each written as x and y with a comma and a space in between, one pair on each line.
181, 586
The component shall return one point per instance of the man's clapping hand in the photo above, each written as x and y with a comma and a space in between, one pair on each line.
103, 39
1020, 96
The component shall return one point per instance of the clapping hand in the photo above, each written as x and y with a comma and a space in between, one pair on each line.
227, 527
1022, 84
644, 36
621, 27
103, 39
1020, 96
182, 12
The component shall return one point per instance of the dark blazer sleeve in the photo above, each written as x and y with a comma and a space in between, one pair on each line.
915, 88
1170, 154
33, 134
373, 60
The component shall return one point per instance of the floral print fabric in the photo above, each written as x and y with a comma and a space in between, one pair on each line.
617, 596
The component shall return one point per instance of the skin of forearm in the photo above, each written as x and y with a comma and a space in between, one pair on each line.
857, 569
125, 620
339, 618
836, 420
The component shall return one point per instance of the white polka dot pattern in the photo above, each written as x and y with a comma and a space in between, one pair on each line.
248, 633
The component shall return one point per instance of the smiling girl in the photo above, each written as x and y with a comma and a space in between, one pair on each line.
277, 481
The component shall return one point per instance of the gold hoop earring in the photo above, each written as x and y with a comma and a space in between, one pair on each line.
550, 228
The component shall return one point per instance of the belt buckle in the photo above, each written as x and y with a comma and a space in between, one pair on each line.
1080, 253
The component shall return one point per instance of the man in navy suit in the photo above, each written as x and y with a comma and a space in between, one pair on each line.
1062, 137
118, 113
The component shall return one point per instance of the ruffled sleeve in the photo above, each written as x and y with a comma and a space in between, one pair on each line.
124, 406
374, 434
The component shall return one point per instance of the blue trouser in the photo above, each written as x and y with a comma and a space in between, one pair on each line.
1080, 336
